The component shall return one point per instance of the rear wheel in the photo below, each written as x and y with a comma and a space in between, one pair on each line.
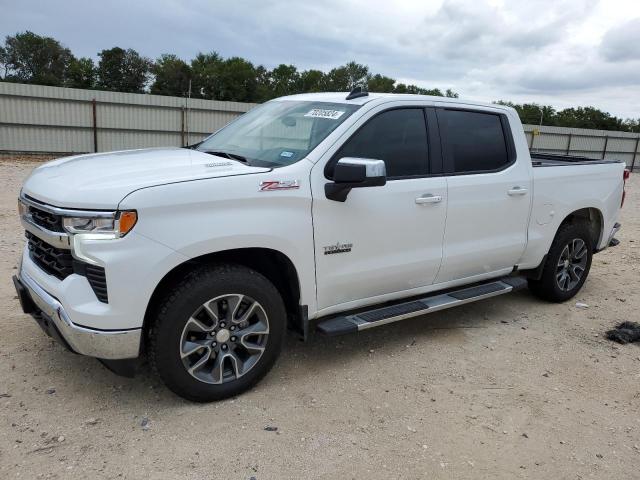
218, 333
567, 265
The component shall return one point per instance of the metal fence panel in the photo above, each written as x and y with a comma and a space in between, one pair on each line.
606, 144
37, 118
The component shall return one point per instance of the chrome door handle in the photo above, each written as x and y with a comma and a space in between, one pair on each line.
517, 191
428, 198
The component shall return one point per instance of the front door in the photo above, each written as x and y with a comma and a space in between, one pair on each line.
382, 240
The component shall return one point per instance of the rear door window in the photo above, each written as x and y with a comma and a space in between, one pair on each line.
474, 141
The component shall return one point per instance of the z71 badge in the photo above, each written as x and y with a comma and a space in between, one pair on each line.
271, 185
338, 248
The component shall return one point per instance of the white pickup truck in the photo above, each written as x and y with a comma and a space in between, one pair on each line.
330, 212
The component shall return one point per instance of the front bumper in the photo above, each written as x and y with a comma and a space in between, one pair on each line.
52, 318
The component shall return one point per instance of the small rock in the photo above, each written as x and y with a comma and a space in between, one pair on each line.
581, 305
525, 435
269, 428
503, 321
60, 438
50, 391
91, 421
144, 423
411, 429
599, 455
372, 351
5, 395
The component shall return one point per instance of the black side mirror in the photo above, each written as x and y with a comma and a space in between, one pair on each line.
355, 173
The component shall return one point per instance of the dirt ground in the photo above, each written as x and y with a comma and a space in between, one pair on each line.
506, 388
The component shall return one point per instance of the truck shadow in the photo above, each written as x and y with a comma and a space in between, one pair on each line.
451, 327
300, 360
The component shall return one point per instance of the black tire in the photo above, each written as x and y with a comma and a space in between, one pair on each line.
166, 336
553, 285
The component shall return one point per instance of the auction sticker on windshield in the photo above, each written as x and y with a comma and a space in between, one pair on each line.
322, 113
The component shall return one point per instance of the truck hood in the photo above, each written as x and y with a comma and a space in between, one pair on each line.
102, 180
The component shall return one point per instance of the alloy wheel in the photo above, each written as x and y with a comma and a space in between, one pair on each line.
224, 338
571, 264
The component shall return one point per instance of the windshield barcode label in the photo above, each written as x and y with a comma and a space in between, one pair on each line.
321, 113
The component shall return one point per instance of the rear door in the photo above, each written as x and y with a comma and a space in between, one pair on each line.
489, 193
382, 241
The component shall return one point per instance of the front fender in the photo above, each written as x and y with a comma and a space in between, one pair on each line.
208, 216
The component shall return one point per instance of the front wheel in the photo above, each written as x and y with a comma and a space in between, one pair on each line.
567, 265
218, 333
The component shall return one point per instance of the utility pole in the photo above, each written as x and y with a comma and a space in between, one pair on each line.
187, 119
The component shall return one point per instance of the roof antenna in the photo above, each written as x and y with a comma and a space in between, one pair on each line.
357, 92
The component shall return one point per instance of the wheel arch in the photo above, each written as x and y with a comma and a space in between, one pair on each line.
273, 264
594, 219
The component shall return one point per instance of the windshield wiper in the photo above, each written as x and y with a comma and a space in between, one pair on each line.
230, 156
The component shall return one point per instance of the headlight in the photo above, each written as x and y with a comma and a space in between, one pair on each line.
113, 227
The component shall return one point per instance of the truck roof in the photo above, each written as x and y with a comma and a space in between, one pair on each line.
340, 97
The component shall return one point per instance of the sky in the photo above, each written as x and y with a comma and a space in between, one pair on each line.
558, 52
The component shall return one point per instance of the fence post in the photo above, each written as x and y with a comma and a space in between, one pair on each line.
635, 154
182, 143
95, 126
569, 143
606, 142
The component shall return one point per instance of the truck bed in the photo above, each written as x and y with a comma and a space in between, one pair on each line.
557, 160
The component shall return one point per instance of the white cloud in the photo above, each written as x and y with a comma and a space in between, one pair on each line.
622, 42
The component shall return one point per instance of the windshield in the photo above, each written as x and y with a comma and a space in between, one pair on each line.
277, 133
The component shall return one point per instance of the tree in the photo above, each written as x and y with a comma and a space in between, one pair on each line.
205, 70
533, 114
3, 62
30, 58
172, 76
434, 92
588, 117
346, 77
81, 73
311, 81
263, 84
285, 80
632, 125
236, 81
122, 70
380, 83
414, 89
